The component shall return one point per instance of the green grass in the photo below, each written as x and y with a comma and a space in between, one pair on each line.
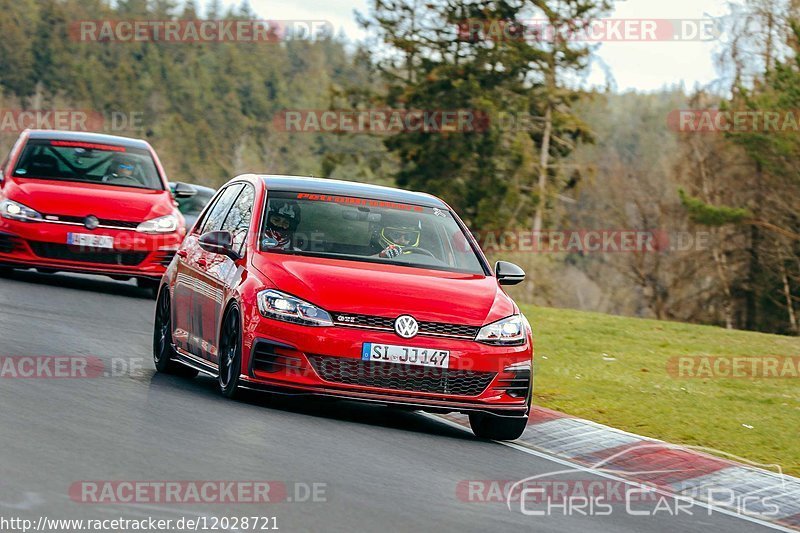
613, 370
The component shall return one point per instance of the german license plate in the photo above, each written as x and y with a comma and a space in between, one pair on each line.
406, 355
90, 241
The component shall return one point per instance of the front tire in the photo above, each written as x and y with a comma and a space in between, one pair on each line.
163, 352
493, 427
230, 353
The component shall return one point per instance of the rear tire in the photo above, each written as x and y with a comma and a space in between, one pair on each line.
5, 271
150, 286
230, 353
163, 352
493, 427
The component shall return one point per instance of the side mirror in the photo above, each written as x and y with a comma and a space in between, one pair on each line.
508, 273
183, 190
219, 242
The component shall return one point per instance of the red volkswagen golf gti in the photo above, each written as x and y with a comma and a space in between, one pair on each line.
91, 203
341, 289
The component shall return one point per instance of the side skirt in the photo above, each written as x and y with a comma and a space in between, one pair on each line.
196, 363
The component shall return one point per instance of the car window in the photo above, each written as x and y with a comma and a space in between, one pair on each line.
219, 211
367, 230
84, 162
200, 222
4, 167
238, 219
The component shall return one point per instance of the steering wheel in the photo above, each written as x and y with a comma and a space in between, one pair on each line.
422, 251
117, 178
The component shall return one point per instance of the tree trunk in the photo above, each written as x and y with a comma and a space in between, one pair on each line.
787, 293
544, 163
754, 266
751, 305
721, 264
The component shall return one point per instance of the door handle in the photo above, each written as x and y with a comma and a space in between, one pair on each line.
183, 253
202, 263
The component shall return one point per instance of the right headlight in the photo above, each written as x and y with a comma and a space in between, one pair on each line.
510, 331
282, 306
17, 211
165, 224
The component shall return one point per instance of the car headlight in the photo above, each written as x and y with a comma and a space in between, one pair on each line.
17, 211
510, 331
165, 224
282, 306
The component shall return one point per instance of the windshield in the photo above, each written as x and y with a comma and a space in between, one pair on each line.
90, 163
366, 230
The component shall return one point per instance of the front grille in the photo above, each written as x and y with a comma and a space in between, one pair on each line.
103, 221
454, 330
364, 321
400, 377
8, 243
434, 329
63, 252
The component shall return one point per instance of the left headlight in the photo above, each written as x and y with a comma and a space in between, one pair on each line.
17, 211
509, 331
165, 224
282, 306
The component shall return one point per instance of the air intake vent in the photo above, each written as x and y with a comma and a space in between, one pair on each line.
265, 359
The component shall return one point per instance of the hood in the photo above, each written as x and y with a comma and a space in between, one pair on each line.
387, 290
67, 198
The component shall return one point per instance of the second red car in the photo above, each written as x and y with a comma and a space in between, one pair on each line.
91, 203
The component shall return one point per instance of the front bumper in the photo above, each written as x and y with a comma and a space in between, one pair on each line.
327, 361
43, 245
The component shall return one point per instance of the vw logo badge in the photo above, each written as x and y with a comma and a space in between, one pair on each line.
406, 326
91, 222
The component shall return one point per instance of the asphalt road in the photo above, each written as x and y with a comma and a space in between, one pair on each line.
382, 469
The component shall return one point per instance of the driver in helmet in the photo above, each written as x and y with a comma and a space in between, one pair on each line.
120, 168
398, 237
282, 221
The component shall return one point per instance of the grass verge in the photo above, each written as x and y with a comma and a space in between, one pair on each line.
616, 371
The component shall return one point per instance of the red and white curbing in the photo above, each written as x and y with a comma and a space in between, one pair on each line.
680, 470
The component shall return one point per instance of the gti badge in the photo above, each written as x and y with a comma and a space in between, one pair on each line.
406, 326
91, 222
